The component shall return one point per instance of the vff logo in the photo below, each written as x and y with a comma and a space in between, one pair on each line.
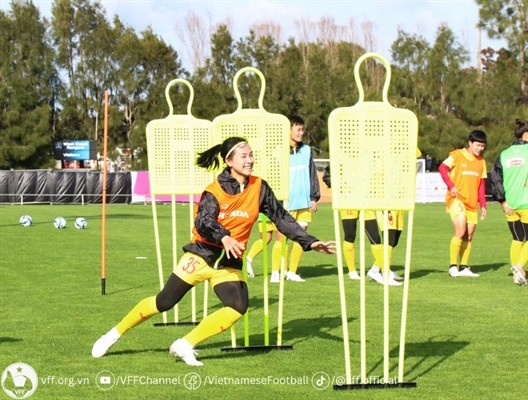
19, 380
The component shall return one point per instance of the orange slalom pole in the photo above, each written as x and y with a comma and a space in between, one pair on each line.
103, 224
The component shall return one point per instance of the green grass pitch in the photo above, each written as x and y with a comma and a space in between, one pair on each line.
465, 337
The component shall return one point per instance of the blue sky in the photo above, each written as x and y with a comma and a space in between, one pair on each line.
422, 17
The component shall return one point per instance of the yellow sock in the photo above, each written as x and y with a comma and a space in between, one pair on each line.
256, 249
390, 255
276, 255
515, 251
349, 252
454, 250
213, 324
465, 249
377, 252
523, 255
295, 257
143, 310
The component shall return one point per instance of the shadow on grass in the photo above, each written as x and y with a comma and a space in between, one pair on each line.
328, 269
236, 353
9, 340
112, 353
294, 332
312, 271
319, 270
303, 329
216, 349
417, 274
422, 357
257, 303
489, 267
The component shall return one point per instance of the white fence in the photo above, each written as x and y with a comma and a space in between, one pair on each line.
430, 188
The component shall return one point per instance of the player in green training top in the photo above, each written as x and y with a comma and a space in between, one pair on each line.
509, 187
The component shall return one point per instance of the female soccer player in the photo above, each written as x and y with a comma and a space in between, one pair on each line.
349, 220
509, 187
226, 213
464, 173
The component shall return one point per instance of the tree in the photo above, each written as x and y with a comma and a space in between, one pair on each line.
309, 78
27, 83
445, 60
508, 19
409, 56
287, 74
85, 43
213, 83
259, 52
158, 65
194, 34
342, 89
315, 103
128, 86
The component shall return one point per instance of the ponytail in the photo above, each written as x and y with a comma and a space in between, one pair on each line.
209, 158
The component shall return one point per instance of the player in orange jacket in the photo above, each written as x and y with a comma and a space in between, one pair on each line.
225, 216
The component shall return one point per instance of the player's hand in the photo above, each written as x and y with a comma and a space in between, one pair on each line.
313, 206
233, 247
483, 214
324, 247
507, 209
453, 192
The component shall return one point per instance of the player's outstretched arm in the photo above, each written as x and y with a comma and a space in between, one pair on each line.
324, 247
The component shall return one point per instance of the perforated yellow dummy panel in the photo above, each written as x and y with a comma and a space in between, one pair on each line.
373, 152
268, 135
173, 143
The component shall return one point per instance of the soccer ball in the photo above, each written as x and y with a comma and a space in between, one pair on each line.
25, 220
81, 223
59, 223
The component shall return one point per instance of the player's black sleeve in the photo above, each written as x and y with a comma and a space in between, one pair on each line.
496, 182
315, 190
285, 223
206, 222
326, 176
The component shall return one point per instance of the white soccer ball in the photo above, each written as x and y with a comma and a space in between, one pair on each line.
25, 220
81, 223
59, 223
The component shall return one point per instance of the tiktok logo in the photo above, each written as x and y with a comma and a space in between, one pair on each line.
320, 380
